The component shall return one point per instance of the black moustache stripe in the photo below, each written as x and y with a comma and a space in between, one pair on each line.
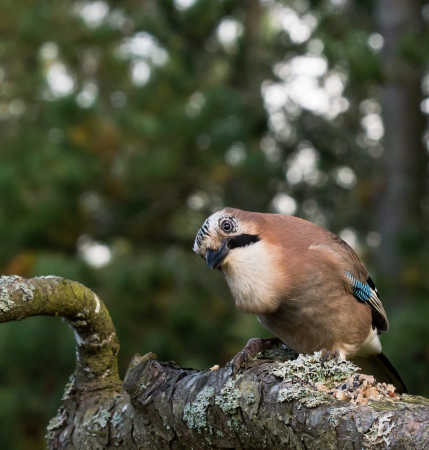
242, 240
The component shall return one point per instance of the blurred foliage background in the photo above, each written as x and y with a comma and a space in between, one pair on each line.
124, 124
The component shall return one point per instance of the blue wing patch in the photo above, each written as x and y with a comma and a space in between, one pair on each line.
367, 293
362, 291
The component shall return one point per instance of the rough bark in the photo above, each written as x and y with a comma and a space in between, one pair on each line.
267, 404
404, 162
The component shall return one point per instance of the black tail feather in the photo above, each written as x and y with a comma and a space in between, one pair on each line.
382, 369
398, 379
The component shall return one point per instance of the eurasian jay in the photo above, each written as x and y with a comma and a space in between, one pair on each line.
305, 284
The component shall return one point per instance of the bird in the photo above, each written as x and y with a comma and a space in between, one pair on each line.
305, 284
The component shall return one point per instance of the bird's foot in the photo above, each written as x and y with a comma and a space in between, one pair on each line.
328, 355
251, 350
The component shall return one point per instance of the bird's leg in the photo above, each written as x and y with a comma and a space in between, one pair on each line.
251, 349
328, 355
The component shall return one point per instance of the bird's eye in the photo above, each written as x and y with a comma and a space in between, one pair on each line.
227, 225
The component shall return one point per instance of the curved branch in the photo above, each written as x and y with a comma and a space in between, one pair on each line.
97, 343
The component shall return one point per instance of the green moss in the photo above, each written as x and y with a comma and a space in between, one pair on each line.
195, 412
382, 406
415, 399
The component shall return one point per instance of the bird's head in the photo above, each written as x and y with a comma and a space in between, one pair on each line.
222, 233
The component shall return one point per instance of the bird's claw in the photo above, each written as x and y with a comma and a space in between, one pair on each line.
251, 350
328, 355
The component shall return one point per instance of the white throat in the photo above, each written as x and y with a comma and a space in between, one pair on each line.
250, 276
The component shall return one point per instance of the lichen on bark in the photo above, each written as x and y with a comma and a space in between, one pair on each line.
272, 402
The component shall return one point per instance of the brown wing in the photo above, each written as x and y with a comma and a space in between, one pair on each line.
356, 278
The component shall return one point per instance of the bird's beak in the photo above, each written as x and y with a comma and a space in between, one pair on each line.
214, 258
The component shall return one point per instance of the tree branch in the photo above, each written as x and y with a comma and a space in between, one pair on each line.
270, 403
97, 343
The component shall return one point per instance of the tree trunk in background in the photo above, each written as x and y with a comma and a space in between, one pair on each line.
251, 69
251, 52
403, 166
